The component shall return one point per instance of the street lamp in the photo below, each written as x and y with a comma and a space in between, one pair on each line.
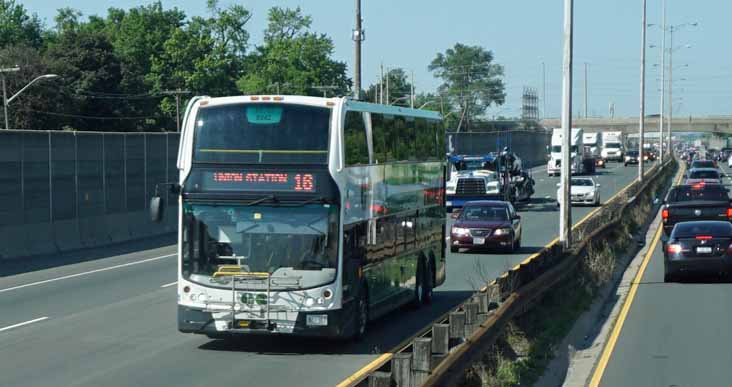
6, 100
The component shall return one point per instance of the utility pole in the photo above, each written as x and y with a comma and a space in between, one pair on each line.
663, 83
358, 37
543, 89
641, 129
388, 72
5, 93
670, 84
177, 94
586, 90
565, 207
325, 89
411, 100
381, 85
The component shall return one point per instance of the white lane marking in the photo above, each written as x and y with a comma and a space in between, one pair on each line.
86, 273
169, 285
23, 323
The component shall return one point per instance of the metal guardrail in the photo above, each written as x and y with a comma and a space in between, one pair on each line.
439, 354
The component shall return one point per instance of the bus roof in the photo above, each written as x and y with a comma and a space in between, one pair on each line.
320, 101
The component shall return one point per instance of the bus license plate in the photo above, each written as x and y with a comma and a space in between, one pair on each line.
242, 323
478, 241
703, 250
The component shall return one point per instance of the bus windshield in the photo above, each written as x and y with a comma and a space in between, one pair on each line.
257, 133
297, 243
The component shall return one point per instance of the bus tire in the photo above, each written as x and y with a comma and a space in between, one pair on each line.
424, 283
362, 314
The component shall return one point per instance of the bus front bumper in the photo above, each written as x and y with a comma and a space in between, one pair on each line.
333, 323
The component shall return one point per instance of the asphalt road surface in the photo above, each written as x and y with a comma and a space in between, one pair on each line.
675, 334
108, 317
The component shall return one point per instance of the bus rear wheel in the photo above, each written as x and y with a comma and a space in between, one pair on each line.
423, 284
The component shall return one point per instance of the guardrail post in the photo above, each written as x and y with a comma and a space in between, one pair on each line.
483, 303
440, 344
401, 369
471, 318
421, 358
494, 295
457, 326
440, 338
380, 379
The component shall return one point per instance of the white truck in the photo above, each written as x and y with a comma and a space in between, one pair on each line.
612, 146
593, 147
581, 162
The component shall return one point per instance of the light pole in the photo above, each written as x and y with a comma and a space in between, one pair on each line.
671, 50
565, 208
7, 101
641, 128
358, 38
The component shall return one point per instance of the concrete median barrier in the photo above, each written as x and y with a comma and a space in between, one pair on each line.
66, 235
39, 238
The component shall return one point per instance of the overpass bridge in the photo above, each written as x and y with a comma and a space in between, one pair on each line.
718, 125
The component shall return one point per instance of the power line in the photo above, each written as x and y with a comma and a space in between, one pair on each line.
87, 117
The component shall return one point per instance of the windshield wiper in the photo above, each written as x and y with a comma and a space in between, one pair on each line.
271, 197
319, 199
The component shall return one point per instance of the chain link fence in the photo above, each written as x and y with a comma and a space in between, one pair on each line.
62, 191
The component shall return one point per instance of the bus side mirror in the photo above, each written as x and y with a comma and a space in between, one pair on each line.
157, 209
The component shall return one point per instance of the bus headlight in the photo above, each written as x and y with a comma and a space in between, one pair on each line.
316, 320
309, 301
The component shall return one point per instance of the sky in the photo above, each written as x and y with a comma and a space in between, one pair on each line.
522, 34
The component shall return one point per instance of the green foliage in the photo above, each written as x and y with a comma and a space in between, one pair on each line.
399, 88
17, 27
88, 67
471, 81
294, 60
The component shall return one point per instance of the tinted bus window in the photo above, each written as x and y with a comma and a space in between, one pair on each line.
439, 132
425, 140
357, 151
379, 130
262, 133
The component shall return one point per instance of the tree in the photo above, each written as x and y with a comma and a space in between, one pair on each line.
206, 56
294, 60
471, 81
400, 89
89, 72
17, 27
25, 111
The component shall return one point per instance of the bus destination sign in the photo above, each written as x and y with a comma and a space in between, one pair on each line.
260, 181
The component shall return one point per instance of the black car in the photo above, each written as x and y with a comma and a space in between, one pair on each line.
631, 157
698, 247
703, 164
695, 202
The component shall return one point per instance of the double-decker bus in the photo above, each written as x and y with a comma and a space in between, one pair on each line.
306, 216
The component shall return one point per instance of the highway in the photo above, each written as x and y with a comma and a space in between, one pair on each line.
674, 334
111, 321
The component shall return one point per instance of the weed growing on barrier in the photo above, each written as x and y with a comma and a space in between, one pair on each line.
528, 343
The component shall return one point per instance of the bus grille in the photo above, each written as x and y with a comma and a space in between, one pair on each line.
470, 186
